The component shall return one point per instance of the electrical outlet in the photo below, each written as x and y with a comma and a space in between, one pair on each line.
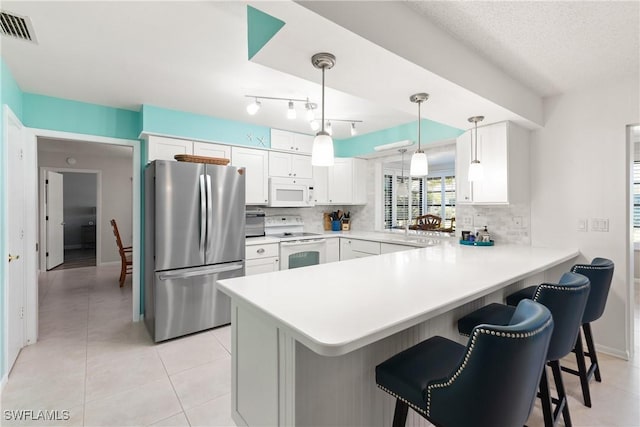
600, 224
467, 221
604, 225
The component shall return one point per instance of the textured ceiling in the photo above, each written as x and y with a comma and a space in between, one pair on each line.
549, 46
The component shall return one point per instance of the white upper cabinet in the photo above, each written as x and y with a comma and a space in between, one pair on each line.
290, 165
256, 163
291, 141
344, 183
503, 151
162, 148
211, 150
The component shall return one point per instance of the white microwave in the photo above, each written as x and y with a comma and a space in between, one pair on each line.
291, 192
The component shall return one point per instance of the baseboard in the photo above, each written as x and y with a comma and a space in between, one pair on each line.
621, 354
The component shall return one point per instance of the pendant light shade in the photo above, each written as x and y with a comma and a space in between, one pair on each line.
322, 150
476, 171
419, 163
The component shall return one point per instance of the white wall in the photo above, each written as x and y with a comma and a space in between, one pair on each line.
116, 191
578, 170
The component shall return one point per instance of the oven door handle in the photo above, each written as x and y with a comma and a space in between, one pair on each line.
303, 242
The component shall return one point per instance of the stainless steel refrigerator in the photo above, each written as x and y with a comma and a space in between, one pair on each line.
194, 236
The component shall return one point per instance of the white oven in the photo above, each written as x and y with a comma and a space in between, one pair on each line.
290, 192
302, 253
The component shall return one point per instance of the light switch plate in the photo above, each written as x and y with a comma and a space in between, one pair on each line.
583, 225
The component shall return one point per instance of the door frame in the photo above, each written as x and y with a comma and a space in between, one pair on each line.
136, 164
630, 245
42, 210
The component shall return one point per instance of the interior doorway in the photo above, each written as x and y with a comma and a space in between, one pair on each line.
633, 150
71, 210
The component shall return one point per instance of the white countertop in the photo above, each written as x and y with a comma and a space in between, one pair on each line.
413, 239
339, 307
250, 241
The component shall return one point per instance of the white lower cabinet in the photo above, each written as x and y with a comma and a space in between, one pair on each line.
262, 259
354, 248
333, 250
387, 248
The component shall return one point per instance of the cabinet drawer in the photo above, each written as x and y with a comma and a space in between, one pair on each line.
365, 246
262, 251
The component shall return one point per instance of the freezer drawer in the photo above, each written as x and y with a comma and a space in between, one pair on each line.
187, 300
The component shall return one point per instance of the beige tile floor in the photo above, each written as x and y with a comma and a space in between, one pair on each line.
94, 362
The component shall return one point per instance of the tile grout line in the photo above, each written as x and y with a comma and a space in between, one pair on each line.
173, 388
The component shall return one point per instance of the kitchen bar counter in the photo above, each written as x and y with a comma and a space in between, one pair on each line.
305, 342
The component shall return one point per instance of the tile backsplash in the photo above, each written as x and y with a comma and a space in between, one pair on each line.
506, 224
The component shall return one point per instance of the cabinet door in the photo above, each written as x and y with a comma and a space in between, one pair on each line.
282, 140
279, 164
211, 150
257, 173
301, 166
463, 159
492, 153
261, 265
359, 181
320, 184
333, 250
341, 182
346, 251
161, 148
303, 143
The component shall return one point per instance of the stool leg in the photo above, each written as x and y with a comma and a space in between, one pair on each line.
545, 399
563, 404
400, 414
582, 371
592, 350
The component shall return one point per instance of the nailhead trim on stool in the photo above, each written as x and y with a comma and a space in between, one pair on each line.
476, 332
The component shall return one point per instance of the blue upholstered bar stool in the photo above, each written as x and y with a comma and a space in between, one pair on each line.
489, 383
566, 301
600, 273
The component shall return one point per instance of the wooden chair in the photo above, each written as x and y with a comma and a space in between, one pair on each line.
427, 222
126, 253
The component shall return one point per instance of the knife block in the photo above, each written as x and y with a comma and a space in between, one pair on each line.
326, 221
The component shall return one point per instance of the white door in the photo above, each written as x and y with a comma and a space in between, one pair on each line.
16, 221
54, 219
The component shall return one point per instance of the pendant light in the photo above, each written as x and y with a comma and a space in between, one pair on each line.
419, 165
476, 171
322, 150
402, 190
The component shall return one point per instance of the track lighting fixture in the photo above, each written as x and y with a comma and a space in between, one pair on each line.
291, 112
329, 128
354, 131
253, 108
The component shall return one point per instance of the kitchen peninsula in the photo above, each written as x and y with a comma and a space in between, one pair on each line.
305, 342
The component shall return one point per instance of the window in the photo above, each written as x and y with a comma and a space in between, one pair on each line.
441, 197
636, 201
434, 195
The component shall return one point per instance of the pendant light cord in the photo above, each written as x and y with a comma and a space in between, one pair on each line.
323, 99
475, 157
419, 132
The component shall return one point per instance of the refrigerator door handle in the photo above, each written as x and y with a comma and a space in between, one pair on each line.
203, 216
209, 210
200, 271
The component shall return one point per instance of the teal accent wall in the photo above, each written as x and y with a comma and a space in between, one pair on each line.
11, 95
187, 125
46, 112
362, 144
261, 27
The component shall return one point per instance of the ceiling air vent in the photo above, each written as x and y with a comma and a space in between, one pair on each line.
16, 26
